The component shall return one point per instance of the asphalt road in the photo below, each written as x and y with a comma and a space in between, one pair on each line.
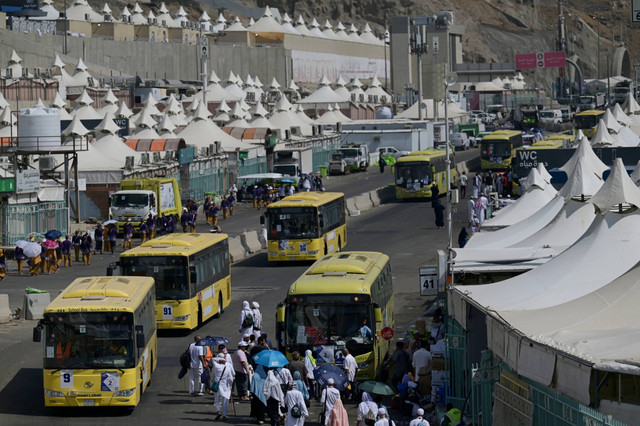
404, 230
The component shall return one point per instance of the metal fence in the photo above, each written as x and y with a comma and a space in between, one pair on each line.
206, 180
250, 166
25, 220
457, 379
484, 377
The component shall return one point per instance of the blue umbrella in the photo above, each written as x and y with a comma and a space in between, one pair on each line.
324, 372
271, 359
212, 341
53, 234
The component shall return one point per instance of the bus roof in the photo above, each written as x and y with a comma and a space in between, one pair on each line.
595, 112
344, 273
501, 135
547, 144
99, 294
176, 244
421, 155
306, 199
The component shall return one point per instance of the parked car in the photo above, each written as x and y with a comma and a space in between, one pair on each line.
460, 141
394, 152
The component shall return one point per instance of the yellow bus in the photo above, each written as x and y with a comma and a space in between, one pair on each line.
498, 149
587, 121
342, 301
100, 344
305, 226
192, 274
416, 172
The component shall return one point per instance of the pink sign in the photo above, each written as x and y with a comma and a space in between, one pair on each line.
555, 59
526, 61
540, 60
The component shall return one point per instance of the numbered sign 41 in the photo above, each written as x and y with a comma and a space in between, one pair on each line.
428, 281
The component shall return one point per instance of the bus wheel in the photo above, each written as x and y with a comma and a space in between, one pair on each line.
220, 310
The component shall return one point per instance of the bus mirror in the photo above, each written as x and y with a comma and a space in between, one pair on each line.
280, 314
262, 221
140, 341
37, 333
377, 313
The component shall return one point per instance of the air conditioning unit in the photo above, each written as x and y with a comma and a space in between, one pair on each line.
47, 163
36, 72
212, 149
295, 131
25, 72
287, 134
164, 23
184, 24
157, 157
168, 156
87, 17
218, 145
47, 73
9, 72
144, 158
155, 21
150, 21
128, 163
108, 18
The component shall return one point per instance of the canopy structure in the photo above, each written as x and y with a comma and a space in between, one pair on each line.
324, 95
81, 11
302, 28
630, 105
84, 110
593, 162
428, 112
267, 24
620, 116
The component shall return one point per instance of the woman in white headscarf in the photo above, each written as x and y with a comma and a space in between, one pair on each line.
246, 320
293, 399
310, 363
257, 319
273, 394
367, 405
223, 374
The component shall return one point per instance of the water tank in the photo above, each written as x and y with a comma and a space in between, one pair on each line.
39, 129
384, 113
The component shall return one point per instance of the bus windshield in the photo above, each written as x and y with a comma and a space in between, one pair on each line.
411, 173
329, 320
169, 272
349, 152
89, 340
130, 200
292, 222
492, 149
586, 121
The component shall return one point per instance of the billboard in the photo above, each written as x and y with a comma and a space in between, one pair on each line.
540, 60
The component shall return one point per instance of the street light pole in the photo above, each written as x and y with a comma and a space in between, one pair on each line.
449, 80
419, 47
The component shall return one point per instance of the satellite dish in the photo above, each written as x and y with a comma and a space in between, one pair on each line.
451, 78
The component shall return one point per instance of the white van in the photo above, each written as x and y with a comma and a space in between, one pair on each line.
551, 116
460, 140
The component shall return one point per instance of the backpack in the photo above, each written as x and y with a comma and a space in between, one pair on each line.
296, 411
370, 418
185, 359
248, 321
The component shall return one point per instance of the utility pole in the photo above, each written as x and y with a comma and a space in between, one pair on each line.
419, 47
203, 42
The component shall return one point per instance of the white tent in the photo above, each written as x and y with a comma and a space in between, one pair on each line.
602, 136
611, 122
341, 33
288, 26
8, 124
368, 37
626, 137
84, 110
52, 12
353, 34
302, 28
109, 103
236, 26
165, 19
81, 11
605, 252
60, 104
137, 18
536, 196
285, 118
375, 94
315, 29
267, 24
630, 105
322, 96
585, 151
166, 127
428, 113
328, 31
620, 116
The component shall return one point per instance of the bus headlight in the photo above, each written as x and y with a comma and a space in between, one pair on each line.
272, 253
53, 394
313, 252
124, 392
182, 318
363, 365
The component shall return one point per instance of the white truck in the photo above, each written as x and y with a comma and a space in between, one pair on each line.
349, 158
293, 161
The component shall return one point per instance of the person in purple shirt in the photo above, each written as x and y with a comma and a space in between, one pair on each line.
65, 249
184, 219
143, 231
224, 205
127, 230
112, 235
151, 226
213, 212
76, 240
99, 236
171, 225
232, 203
20, 257
86, 246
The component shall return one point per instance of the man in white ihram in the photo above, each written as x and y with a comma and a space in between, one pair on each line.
246, 326
419, 420
196, 367
350, 368
257, 319
329, 397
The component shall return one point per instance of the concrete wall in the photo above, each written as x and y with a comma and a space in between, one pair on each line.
144, 58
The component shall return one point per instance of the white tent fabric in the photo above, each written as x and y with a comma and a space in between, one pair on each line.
236, 26
137, 17
340, 32
610, 122
315, 29
524, 228
80, 10
368, 37
323, 95
537, 195
75, 128
630, 106
123, 111
626, 138
635, 176
582, 182
302, 28
594, 163
52, 13
620, 116
328, 31
606, 251
267, 24
428, 112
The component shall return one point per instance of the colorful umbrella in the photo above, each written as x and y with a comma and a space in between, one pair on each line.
270, 358
324, 372
109, 222
50, 245
212, 341
21, 243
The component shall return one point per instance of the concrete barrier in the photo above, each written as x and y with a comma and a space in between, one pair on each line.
5, 310
375, 200
363, 202
351, 205
387, 194
251, 242
236, 250
262, 237
34, 305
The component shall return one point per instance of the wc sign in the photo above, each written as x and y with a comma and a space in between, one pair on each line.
635, 11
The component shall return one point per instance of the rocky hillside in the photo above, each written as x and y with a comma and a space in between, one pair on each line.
495, 29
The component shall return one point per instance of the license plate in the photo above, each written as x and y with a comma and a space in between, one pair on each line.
292, 258
89, 402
